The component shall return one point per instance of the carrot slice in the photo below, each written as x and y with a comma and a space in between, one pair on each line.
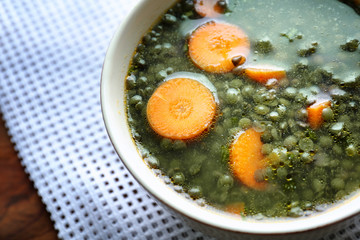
314, 111
263, 74
235, 208
208, 8
181, 108
213, 45
246, 158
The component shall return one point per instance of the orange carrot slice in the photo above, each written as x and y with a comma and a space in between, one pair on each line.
235, 208
246, 158
314, 111
263, 74
213, 45
181, 108
208, 8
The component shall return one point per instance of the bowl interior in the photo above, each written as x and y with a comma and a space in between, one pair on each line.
114, 72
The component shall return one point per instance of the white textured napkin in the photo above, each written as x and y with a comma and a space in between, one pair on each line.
51, 54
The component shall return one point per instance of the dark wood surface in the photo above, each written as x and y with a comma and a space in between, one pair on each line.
22, 214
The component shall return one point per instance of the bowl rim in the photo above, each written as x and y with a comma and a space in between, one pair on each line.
190, 209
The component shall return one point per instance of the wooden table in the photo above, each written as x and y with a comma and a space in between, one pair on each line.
22, 214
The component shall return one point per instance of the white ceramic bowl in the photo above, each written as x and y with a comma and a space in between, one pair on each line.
205, 219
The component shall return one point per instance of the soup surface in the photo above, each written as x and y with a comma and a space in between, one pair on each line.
277, 124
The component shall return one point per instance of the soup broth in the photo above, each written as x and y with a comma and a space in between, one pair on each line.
307, 119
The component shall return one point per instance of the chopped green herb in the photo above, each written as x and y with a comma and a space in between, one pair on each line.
308, 50
263, 46
350, 45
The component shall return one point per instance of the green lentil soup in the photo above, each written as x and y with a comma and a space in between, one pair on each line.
308, 119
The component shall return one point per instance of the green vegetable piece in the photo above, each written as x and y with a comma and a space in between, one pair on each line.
325, 141
219, 130
306, 157
318, 185
308, 194
139, 106
225, 181
152, 161
178, 178
266, 136
169, 19
262, 109
274, 116
340, 194
327, 114
131, 82
140, 47
292, 34
350, 45
195, 192
157, 48
168, 51
138, 60
282, 173
337, 128
281, 109
135, 99
306, 144
195, 168
337, 149
321, 159
296, 212
248, 91
148, 91
234, 131
146, 39
269, 173
245, 123
187, 5
301, 114
275, 134
236, 83
178, 188
310, 133
162, 74
290, 142
337, 183
259, 126
351, 150
232, 95
179, 144
165, 143
142, 81
290, 92
266, 149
